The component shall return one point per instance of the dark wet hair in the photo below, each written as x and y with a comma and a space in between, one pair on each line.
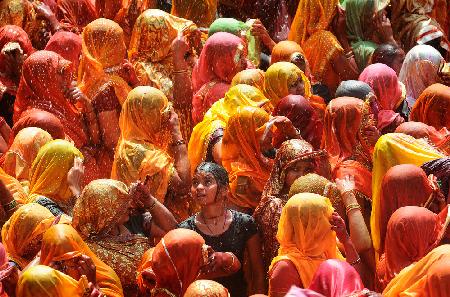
385, 54
353, 88
219, 173
440, 168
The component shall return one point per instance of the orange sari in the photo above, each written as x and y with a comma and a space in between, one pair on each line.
283, 51
248, 169
251, 77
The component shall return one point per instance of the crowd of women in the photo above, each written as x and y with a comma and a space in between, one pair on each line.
224, 148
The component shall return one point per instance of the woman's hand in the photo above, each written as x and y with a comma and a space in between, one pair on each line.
345, 184
179, 47
86, 266
75, 175
339, 23
285, 126
371, 134
76, 96
174, 125
141, 195
260, 31
128, 73
338, 226
384, 28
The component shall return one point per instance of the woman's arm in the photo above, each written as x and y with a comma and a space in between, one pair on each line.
182, 90
220, 265
256, 264
5, 132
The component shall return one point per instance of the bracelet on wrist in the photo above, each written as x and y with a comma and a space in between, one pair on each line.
351, 207
178, 142
150, 208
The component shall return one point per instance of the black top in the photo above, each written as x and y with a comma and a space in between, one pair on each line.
54, 208
234, 240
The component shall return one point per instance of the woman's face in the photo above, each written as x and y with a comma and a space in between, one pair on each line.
398, 61
296, 170
204, 188
126, 216
298, 87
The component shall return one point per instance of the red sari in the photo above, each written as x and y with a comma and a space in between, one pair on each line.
68, 45
75, 14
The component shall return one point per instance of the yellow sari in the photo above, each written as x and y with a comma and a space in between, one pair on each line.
141, 152
305, 235
390, 150
43, 281
103, 51
251, 77
217, 117
48, 173
278, 79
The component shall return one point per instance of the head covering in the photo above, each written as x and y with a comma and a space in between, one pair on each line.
335, 278
40, 119
242, 156
176, 260
427, 277
251, 77
23, 151
75, 14
14, 12
43, 281
394, 149
206, 288
353, 88
433, 107
297, 292
216, 118
23, 229
420, 70
201, 12
228, 25
99, 207
206, 97
45, 78
48, 173
440, 168
412, 232
13, 186
67, 45
303, 116
103, 51
62, 242
279, 78
144, 139
305, 234
218, 60
107, 9
283, 50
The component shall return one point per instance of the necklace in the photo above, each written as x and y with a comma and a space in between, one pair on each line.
215, 222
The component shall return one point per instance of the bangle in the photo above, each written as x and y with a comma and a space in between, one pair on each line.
232, 262
348, 191
349, 54
180, 71
178, 142
10, 205
153, 204
351, 207
357, 261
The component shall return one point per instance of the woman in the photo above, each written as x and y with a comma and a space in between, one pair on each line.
163, 66
390, 150
242, 156
223, 56
440, 168
307, 238
18, 159
294, 158
284, 50
41, 280
433, 107
206, 288
202, 12
336, 278
22, 233
304, 118
412, 232
440, 139
390, 55
419, 71
427, 277
62, 247
353, 88
225, 230
67, 45
251, 77
55, 176
206, 138
74, 15
177, 261
103, 230
151, 147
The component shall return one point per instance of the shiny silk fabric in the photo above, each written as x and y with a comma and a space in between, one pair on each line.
412, 232
427, 277
103, 51
62, 242
217, 117
201, 12
67, 45
206, 288
75, 14
251, 77
336, 278
45, 78
141, 152
15, 12
283, 51
433, 107
305, 234
43, 281
48, 173
23, 228
390, 150
242, 157
13, 186
279, 78
176, 262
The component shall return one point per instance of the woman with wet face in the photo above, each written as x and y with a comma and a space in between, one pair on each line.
225, 230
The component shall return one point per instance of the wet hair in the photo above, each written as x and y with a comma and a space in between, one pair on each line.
385, 54
353, 88
219, 173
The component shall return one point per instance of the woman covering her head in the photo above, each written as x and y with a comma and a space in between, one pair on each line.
67, 45
206, 288
206, 138
294, 158
251, 77
433, 107
419, 71
62, 244
283, 51
353, 88
440, 139
412, 232
74, 15
201, 12
390, 55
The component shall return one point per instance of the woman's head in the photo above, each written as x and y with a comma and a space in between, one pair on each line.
14, 44
206, 288
251, 77
68, 45
289, 51
353, 88
40, 119
390, 55
209, 184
